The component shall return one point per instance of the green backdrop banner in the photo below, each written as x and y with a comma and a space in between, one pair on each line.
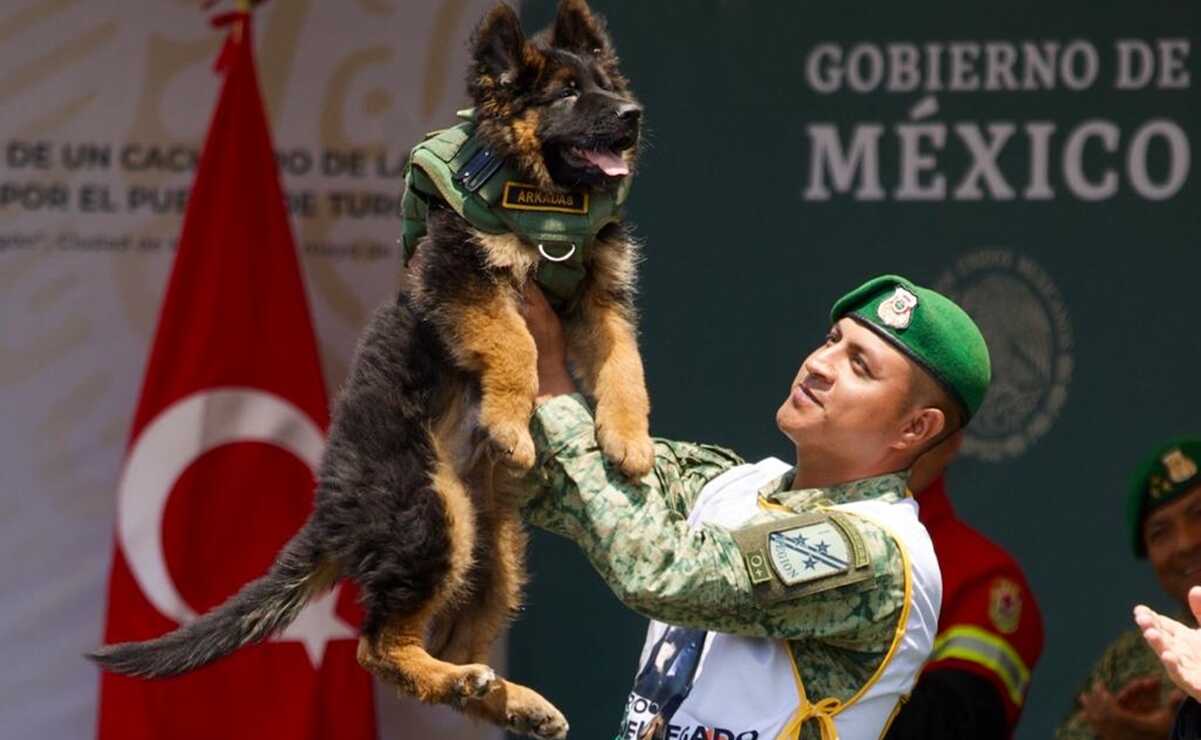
1033, 160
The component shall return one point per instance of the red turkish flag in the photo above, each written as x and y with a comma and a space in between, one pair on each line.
219, 471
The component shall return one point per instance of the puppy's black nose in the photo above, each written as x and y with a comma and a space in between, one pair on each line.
629, 113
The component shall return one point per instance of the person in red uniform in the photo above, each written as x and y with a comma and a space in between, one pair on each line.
990, 631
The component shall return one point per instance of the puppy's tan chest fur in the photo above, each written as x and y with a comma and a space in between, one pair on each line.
508, 252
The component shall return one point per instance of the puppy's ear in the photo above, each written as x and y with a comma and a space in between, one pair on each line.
577, 29
498, 44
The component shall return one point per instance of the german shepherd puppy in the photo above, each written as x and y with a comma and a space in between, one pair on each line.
409, 503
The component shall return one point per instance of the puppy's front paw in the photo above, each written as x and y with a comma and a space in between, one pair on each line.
545, 726
514, 443
626, 442
474, 682
529, 714
635, 456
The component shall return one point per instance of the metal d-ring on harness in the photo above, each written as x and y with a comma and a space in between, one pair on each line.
562, 258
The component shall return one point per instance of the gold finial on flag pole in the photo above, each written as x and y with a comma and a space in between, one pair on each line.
240, 15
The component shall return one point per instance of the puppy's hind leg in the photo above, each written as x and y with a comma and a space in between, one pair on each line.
398, 656
498, 576
518, 708
521, 710
398, 652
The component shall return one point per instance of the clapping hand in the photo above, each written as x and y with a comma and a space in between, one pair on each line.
1178, 646
1137, 711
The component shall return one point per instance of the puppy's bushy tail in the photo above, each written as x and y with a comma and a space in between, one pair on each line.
260, 609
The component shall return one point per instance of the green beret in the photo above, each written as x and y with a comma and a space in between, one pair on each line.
930, 329
1164, 476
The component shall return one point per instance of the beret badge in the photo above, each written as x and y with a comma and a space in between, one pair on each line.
1180, 466
1171, 471
897, 310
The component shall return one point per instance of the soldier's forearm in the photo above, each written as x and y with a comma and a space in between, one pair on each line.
649, 556
564, 431
635, 532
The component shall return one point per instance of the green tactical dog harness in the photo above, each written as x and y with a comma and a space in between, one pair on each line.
453, 167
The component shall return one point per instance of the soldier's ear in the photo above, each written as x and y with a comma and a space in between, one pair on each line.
498, 46
577, 29
922, 427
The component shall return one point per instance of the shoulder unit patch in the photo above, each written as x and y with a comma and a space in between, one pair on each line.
804, 554
808, 552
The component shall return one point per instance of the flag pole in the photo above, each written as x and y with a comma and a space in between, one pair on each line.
242, 6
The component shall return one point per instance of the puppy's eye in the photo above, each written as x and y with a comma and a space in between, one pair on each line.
569, 90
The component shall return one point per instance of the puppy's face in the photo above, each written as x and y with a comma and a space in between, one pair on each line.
556, 104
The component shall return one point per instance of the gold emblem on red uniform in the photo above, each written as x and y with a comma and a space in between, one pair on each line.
1005, 605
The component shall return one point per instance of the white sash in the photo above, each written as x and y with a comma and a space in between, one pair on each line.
748, 688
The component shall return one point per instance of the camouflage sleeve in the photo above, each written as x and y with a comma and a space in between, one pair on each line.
1124, 660
636, 536
1075, 728
564, 428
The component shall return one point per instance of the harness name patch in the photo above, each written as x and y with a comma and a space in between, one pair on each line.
521, 197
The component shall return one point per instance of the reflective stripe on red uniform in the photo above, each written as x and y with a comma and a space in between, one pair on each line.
990, 624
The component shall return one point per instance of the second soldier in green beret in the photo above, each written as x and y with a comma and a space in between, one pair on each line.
1128, 694
786, 600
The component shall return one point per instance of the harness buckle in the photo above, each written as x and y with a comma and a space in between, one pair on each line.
562, 258
482, 165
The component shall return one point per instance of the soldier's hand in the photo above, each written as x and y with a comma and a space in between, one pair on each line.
1105, 713
1141, 695
547, 330
1178, 646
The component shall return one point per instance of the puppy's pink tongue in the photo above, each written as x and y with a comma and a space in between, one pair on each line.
608, 162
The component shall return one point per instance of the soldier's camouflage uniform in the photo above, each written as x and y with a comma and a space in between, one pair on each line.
1126, 659
636, 536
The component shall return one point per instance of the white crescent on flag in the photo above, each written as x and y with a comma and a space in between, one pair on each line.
170, 443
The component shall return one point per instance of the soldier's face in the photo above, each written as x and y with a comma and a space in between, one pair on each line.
850, 398
1173, 536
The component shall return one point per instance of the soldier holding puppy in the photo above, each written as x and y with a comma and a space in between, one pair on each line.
797, 598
